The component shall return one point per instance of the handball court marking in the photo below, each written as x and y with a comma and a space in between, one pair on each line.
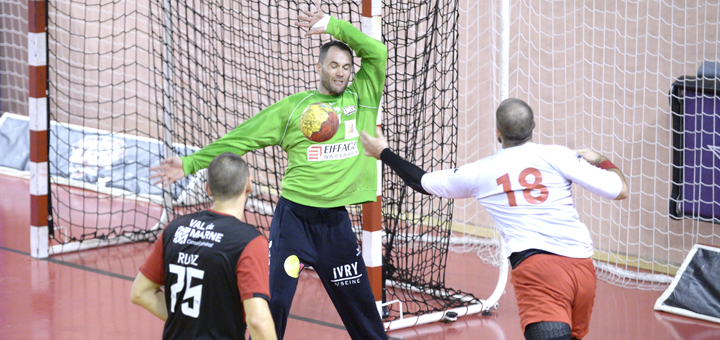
128, 278
619, 313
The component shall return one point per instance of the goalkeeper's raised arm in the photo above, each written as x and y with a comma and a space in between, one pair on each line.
335, 68
370, 79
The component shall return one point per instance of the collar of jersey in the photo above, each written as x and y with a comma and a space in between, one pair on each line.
219, 212
326, 97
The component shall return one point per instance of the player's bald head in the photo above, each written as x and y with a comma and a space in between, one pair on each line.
515, 120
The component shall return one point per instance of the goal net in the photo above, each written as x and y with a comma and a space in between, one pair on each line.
133, 84
599, 75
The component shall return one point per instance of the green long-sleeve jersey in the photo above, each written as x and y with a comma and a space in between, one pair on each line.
329, 174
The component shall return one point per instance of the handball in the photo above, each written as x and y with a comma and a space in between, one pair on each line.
319, 122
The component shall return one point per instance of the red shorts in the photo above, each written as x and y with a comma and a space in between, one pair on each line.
555, 288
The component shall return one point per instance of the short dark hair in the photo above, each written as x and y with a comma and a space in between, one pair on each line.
515, 120
334, 43
227, 176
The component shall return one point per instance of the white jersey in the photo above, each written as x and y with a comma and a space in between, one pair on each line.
526, 190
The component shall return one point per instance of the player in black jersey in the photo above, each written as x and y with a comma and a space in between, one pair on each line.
213, 266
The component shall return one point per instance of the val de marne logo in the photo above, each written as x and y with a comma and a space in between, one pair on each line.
181, 235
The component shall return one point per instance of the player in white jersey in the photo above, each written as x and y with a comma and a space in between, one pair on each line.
526, 188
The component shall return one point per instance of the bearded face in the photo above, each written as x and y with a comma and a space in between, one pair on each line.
335, 72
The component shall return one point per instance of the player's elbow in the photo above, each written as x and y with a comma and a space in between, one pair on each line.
379, 53
260, 324
383, 52
140, 293
624, 193
418, 188
136, 296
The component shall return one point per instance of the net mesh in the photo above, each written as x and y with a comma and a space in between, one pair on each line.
421, 122
603, 74
597, 74
103, 114
13, 57
147, 79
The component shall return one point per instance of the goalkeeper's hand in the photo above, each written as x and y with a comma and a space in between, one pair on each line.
316, 22
168, 172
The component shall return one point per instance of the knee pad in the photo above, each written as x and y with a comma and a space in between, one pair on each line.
548, 330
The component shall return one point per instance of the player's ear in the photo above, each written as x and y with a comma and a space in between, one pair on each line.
318, 68
207, 189
248, 186
499, 135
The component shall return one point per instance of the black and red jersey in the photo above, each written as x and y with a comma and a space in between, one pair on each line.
209, 263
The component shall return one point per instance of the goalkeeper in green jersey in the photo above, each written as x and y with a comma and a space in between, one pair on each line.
310, 225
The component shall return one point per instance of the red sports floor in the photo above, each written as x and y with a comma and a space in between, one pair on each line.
85, 295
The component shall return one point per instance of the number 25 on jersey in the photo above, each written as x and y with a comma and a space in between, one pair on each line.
504, 180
